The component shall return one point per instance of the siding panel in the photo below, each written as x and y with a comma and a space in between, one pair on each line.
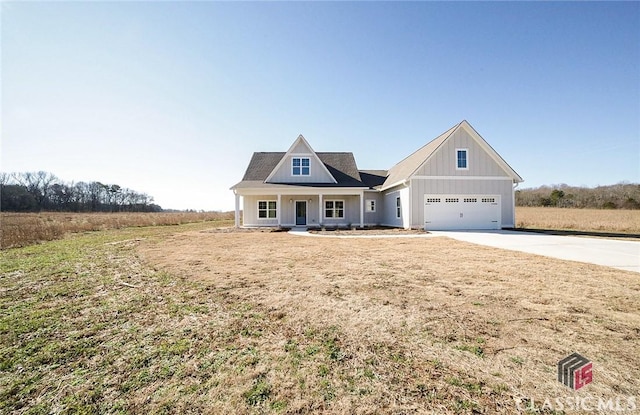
443, 162
389, 202
317, 173
250, 211
374, 218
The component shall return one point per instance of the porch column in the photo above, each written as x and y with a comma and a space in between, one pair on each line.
362, 209
320, 209
278, 210
237, 217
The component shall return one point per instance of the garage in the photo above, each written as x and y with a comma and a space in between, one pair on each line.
446, 212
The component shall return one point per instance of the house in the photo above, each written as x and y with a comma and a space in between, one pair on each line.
456, 181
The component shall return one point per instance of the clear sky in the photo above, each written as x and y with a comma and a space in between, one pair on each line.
172, 98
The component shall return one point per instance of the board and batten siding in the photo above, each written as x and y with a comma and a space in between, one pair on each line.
443, 161
373, 218
389, 207
463, 186
317, 171
351, 210
288, 209
250, 211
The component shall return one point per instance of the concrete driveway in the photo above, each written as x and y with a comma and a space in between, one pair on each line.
623, 255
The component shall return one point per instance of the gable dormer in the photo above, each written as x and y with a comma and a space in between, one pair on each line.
300, 164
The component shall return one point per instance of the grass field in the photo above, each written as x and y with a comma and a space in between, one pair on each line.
22, 229
596, 220
202, 320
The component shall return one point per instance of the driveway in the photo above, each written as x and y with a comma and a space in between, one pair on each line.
623, 255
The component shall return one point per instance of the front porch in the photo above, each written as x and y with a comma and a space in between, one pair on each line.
334, 207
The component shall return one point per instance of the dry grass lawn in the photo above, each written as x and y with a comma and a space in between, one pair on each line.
428, 325
194, 319
596, 220
22, 229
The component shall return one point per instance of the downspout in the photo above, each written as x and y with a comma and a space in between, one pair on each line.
513, 197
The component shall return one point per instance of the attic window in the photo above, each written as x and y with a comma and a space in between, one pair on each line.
300, 166
461, 159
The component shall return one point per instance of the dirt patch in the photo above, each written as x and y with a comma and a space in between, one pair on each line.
408, 325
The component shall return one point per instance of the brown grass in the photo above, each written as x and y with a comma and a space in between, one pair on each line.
22, 229
305, 325
596, 220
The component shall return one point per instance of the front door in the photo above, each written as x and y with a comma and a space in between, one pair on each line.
301, 212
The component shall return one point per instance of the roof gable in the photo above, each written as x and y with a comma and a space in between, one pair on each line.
300, 147
417, 160
408, 166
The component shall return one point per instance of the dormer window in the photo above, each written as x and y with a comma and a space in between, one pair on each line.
461, 159
300, 166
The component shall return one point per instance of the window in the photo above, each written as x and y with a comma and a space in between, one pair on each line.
470, 200
433, 200
451, 200
398, 208
267, 209
488, 200
370, 206
461, 159
334, 209
300, 166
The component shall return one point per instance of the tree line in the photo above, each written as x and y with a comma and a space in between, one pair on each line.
617, 196
43, 191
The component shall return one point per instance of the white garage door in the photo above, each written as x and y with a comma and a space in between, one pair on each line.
444, 212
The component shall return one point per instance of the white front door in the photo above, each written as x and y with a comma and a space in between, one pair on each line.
449, 212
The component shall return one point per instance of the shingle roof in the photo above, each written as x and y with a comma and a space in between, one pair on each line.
404, 169
261, 165
341, 165
373, 178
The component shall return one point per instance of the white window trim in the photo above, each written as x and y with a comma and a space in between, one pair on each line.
398, 207
267, 210
301, 158
324, 208
455, 155
369, 207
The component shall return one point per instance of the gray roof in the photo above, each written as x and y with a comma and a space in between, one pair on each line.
405, 169
261, 165
343, 168
373, 178
341, 165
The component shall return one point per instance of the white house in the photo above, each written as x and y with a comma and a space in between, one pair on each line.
456, 181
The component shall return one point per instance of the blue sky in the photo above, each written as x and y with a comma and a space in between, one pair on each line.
172, 98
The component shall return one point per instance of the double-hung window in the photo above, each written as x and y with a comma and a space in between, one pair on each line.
267, 209
398, 208
462, 162
334, 209
370, 206
300, 166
